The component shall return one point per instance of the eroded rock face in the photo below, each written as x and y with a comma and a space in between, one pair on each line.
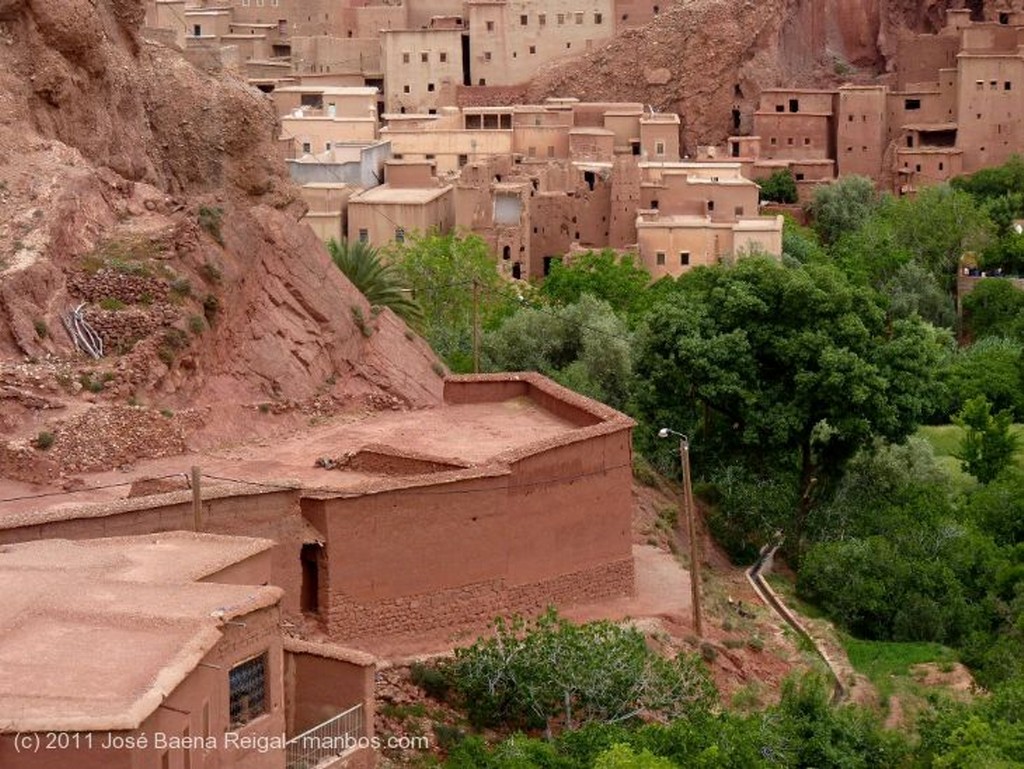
153, 192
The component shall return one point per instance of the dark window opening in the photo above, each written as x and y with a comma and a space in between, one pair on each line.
735, 149
467, 78
547, 265
506, 253
780, 107
711, 205
684, 258
430, 86
517, 271
912, 104
736, 119
654, 203
799, 177
197, 30
363, 236
659, 258
1007, 85
310, 595
635, 147
463, 159
590, 178
794, 105
1004, 18
910, 140
247, 684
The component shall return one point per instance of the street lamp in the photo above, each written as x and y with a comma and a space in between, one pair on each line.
691, 527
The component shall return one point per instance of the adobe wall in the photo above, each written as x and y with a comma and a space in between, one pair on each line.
273, 515
319, 684
554, 530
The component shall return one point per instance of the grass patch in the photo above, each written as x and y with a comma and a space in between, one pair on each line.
210, 220
885, 662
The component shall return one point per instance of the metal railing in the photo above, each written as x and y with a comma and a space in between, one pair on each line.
333, 738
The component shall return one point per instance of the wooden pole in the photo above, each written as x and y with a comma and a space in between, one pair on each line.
197, 500
691, 529
476, 326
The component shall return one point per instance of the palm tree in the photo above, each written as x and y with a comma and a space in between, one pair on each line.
382, 284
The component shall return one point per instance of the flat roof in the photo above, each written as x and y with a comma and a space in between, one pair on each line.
94, 634
929, 127
385, 194
329, 90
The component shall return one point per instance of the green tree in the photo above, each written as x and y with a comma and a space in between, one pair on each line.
530, 673
994, 308
619, 281
621, 756
441, 270
584, 346
992, 367
914, 290
987, 447
801, 243
794, 366
382, 284
780, 187
842, 206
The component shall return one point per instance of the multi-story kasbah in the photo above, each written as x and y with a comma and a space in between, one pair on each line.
952, 107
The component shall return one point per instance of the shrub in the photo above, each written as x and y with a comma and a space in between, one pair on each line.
181, 286
357, 317
210, 220
196, 325
44, 440
780, 187
211, 306
91, 384
433, 680
41, 329
112, 304
210, 273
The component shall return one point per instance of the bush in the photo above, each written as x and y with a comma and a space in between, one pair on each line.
210, 220
41, 329
196, 325
44, 440
112, 304
433, 680
780, 187
211, 306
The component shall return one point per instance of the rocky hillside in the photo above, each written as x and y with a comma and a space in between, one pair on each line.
709, 59
150, 195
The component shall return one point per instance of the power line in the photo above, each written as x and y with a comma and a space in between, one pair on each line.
86, 488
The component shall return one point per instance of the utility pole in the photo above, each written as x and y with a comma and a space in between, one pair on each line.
691, 530
476, 326
197, 500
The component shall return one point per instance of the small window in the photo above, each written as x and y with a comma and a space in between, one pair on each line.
738, 211
799, 177
684, 258
1004, 18
659, 258
850, 118
654, 203
424, 58
807, 141
551, 150
780, 107
406, 89
773, 141
524, 20
789, 141
443, 56
430, 87
363, 236
490, 26
197, 30
400, 235
940, 165
307, 148
542, 19
247, 684
598, 18
406, 58
910, 140
1007, 86
979, 85
463, 159
711, 205
561, 18
482, 81
327, 146
794, 105
918, 168
992, 84
533, 49
487, 56
659, 148
911, 104
579, 18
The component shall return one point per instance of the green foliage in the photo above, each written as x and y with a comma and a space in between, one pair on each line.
211, 306
112, 304
584, 346
530, 673
620, 282
431, 679
181, 287
41, 329
992, 368
210, 219
914, 290
801, 243
785, 369
993, 183
994, 308
842, 206
621, 756
382, 284
44, 440
196, 324
998, 507
988, 445
441, 270
780, 187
